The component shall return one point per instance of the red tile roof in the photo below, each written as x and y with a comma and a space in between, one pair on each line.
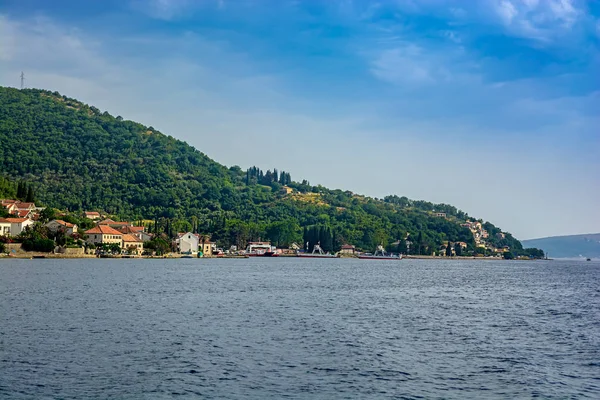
104, 229
64, 223
24, 206
130, 238
17, 220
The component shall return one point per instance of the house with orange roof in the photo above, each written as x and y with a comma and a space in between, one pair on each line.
138, 231
104, 234
114, 224
93, 215
347, 249
25, 214
57, 224
11, 208
132, 244
18, 225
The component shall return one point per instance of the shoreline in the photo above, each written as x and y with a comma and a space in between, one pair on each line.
38, 255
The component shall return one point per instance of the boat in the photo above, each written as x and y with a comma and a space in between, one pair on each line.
42, 256
380, 254
588, 259
258, 249
270, 254
317, 253
188, 256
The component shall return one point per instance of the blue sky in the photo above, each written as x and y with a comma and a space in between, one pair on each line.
492, 106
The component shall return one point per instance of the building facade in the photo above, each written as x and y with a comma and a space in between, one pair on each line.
187, 243
104, 234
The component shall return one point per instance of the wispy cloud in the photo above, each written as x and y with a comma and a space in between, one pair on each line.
539, 20
405, 65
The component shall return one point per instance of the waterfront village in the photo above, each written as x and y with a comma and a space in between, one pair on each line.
29, 229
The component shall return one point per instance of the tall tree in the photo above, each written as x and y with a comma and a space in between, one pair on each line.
30, 198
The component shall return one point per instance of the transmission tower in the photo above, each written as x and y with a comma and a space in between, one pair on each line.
22, 80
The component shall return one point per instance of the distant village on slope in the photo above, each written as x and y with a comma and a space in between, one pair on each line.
30, 228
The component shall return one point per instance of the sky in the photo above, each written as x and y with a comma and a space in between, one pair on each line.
492, 106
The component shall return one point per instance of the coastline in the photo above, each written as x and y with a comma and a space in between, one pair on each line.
39, 255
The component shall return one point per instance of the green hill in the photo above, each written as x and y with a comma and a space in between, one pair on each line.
79, 158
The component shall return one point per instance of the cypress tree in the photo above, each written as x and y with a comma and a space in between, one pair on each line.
20, 193
30, 195
419, 249
304, 238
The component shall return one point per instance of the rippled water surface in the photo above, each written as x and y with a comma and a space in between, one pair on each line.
293, 328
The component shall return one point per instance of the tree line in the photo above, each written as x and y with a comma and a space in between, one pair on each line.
255, 175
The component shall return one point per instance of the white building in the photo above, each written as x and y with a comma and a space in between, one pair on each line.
18, 225
4, 227
187, 243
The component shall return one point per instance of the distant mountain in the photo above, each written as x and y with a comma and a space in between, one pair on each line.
568, 246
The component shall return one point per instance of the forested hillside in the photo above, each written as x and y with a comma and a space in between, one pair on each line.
79, 158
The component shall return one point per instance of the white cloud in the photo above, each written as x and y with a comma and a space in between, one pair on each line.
507, 11
539, 20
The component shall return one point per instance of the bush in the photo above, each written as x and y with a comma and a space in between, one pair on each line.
43, 245
2, 248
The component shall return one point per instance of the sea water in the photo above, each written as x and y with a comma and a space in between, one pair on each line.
299, 328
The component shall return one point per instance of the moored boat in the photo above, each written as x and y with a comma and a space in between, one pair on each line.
258, 249
317, 253
380, 254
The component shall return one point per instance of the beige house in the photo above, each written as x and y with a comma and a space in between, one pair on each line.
93, 215
57, 224
207, 248
347, 249
132, 244
286, 190
103, 234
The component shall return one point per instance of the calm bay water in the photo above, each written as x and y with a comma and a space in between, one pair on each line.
293, 328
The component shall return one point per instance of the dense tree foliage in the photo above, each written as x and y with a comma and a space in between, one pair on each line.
79, 158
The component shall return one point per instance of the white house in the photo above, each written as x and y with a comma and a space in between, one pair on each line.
4, 227
187, 243
18, 225
57, 224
